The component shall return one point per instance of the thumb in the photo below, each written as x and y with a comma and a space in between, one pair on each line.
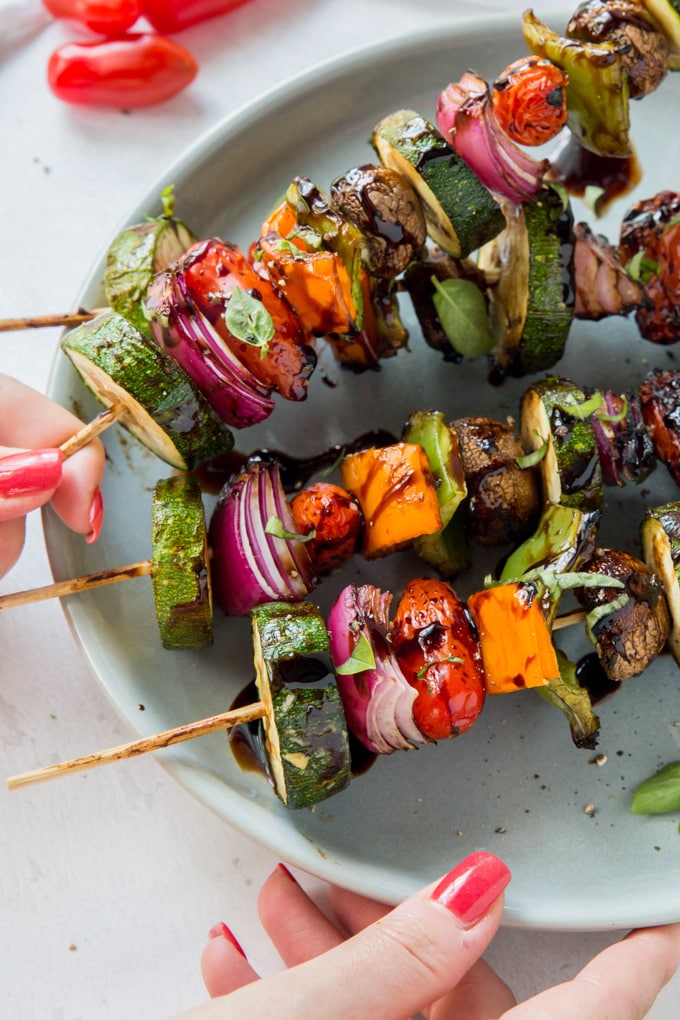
397, 966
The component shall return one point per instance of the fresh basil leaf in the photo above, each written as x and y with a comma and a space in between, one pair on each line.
592, 196
435, 662
248, 320
660, 793
614, 418
274, 526
641, 268
361, 659
585, 408
463, 315
168, 200
528, 460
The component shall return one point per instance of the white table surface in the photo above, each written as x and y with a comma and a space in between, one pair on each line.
109, 881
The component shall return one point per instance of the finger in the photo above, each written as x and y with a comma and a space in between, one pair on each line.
354, 912
480, 994
30, 420
27, 479
399, 965
11, 543
297, 927
224, 965
621, 983
78, 500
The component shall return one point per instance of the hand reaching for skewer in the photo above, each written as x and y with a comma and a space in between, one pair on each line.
35, 467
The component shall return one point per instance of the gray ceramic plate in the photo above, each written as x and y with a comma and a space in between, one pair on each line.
515, 784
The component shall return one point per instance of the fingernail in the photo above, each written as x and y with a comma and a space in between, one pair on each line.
96, 517
284, 870
222, 931
22, 474
472, 886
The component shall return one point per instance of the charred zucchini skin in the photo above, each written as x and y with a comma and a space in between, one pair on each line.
305, 730
461, 213
660, 537
134, 257
163, 408
571, 470
180, 572
552, 295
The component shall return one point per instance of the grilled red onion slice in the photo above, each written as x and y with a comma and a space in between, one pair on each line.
181, 330
625, 449
249, 566
466, 119
378, 701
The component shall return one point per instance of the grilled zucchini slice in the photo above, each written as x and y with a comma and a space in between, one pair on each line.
304, 723
531, 290
180, 567
460, 212
161, 406
552, 414
660, 535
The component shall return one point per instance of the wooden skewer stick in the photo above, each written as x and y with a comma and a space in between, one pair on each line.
225, 720
40, 321
88, 432
568, 619
59, 589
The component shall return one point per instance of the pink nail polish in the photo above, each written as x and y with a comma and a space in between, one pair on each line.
284, 870
22, 474
222, 931
96, 517
469, 890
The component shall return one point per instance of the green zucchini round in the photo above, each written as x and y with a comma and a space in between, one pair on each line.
460, 212
180, 567
531, 289
161, 406
570, 468
134, 257
304, 724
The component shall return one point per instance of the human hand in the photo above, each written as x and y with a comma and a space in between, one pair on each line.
425, 955
32, 470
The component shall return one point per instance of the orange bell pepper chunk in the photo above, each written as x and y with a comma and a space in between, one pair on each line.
283, 222
396, 491
517, 649
315, 283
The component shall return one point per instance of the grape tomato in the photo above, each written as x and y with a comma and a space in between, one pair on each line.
106, 17
173, 15
133, 71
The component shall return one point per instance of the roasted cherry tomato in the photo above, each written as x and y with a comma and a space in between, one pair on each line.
133, 71
213, 270
107, 17
529, 100
174, 15
334, 516
438, 652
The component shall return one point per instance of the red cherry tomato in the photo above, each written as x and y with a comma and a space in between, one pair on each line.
439, 654
173, 15
335, 518
107, 17
529, 100
133, 71
213, 269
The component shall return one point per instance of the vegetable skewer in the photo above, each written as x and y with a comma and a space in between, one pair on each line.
306, 741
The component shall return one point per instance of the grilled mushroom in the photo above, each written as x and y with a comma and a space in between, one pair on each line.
387, 211
631, 636
503, 502
644, 50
